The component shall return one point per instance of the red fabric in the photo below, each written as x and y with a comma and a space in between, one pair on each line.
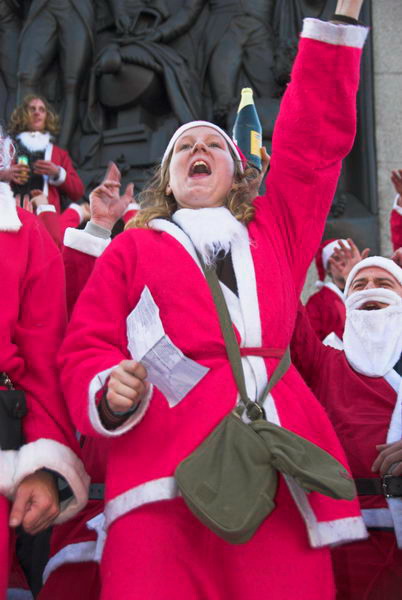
78, 267
130, 214
51, 221
359, 407
308, 147
73, 580
318, 259
370, 569
396, 229
72, 187
171, 556
327, 313
32, 326
4, 546
69, 218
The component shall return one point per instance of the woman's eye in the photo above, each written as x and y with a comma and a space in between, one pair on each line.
184, 146
214, 145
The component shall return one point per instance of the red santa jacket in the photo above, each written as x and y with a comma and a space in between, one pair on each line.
68, 182
32, 322
360, 407
326, 311
314, 131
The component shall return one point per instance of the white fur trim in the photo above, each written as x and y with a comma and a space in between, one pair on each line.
9, 220
164, 488
44, 453
60, 178
132, 206
394, 435
43, 208
8, 465
334, 288
396, 206
73, 553
328, 251
331, 33
333, 341
97, 384
18, 594
374, 261
80, 240
377, 517
192, 124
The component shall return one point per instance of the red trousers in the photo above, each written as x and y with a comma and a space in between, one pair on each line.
369, 569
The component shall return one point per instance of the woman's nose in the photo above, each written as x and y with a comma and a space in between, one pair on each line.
199, 146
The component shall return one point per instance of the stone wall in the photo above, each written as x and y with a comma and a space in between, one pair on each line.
387, 49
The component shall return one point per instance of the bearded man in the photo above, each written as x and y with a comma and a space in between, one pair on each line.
362, 393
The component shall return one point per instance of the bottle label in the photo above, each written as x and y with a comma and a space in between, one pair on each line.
23, 160
255, 143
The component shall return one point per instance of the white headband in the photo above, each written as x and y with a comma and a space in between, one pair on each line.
374, 261
192, 124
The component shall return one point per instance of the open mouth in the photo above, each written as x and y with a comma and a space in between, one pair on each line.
200, 169
372, 305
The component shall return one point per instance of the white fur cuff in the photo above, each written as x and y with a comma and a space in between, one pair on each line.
80, 240
353, 36
49, 454
97, 384
60, 178
43, 208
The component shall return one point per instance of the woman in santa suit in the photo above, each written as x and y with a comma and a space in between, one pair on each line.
156, 548
32, 325
33, 124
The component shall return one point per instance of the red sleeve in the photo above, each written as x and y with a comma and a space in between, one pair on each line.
51, 221
78, 267
96, 338
315, 315
130, 214
72, 186
396, 229
69, 218
306, 349
314, 131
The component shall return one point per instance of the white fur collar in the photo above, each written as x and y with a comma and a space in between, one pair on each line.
212, 230
9, 220
34, 141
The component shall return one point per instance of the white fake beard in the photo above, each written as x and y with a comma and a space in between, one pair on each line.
373, 338
34, 141
212, 230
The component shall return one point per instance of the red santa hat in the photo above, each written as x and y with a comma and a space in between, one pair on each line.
9, 220
238, 154
374, 261
323, 254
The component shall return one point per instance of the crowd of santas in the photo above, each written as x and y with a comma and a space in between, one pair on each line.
154, 546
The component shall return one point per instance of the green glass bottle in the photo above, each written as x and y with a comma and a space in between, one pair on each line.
247, 130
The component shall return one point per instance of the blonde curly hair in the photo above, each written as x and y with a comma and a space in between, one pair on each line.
156, 204
20, 117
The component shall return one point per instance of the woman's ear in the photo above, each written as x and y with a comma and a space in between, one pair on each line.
168, 190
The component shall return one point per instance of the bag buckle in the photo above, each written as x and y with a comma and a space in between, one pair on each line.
391, 486
255, 411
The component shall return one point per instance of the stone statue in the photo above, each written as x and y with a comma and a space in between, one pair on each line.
60, 29
10, 27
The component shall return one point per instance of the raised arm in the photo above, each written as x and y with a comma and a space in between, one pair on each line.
314, 131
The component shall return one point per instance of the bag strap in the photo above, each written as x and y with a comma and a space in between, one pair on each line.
254, 409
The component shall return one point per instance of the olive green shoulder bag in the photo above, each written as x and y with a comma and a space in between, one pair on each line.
229, 482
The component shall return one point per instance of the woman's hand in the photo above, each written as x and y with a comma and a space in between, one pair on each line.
255, 184
349, 8
36, 503
106, 204
389, 460
16, 173
343, 259
39, 198
127, 386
